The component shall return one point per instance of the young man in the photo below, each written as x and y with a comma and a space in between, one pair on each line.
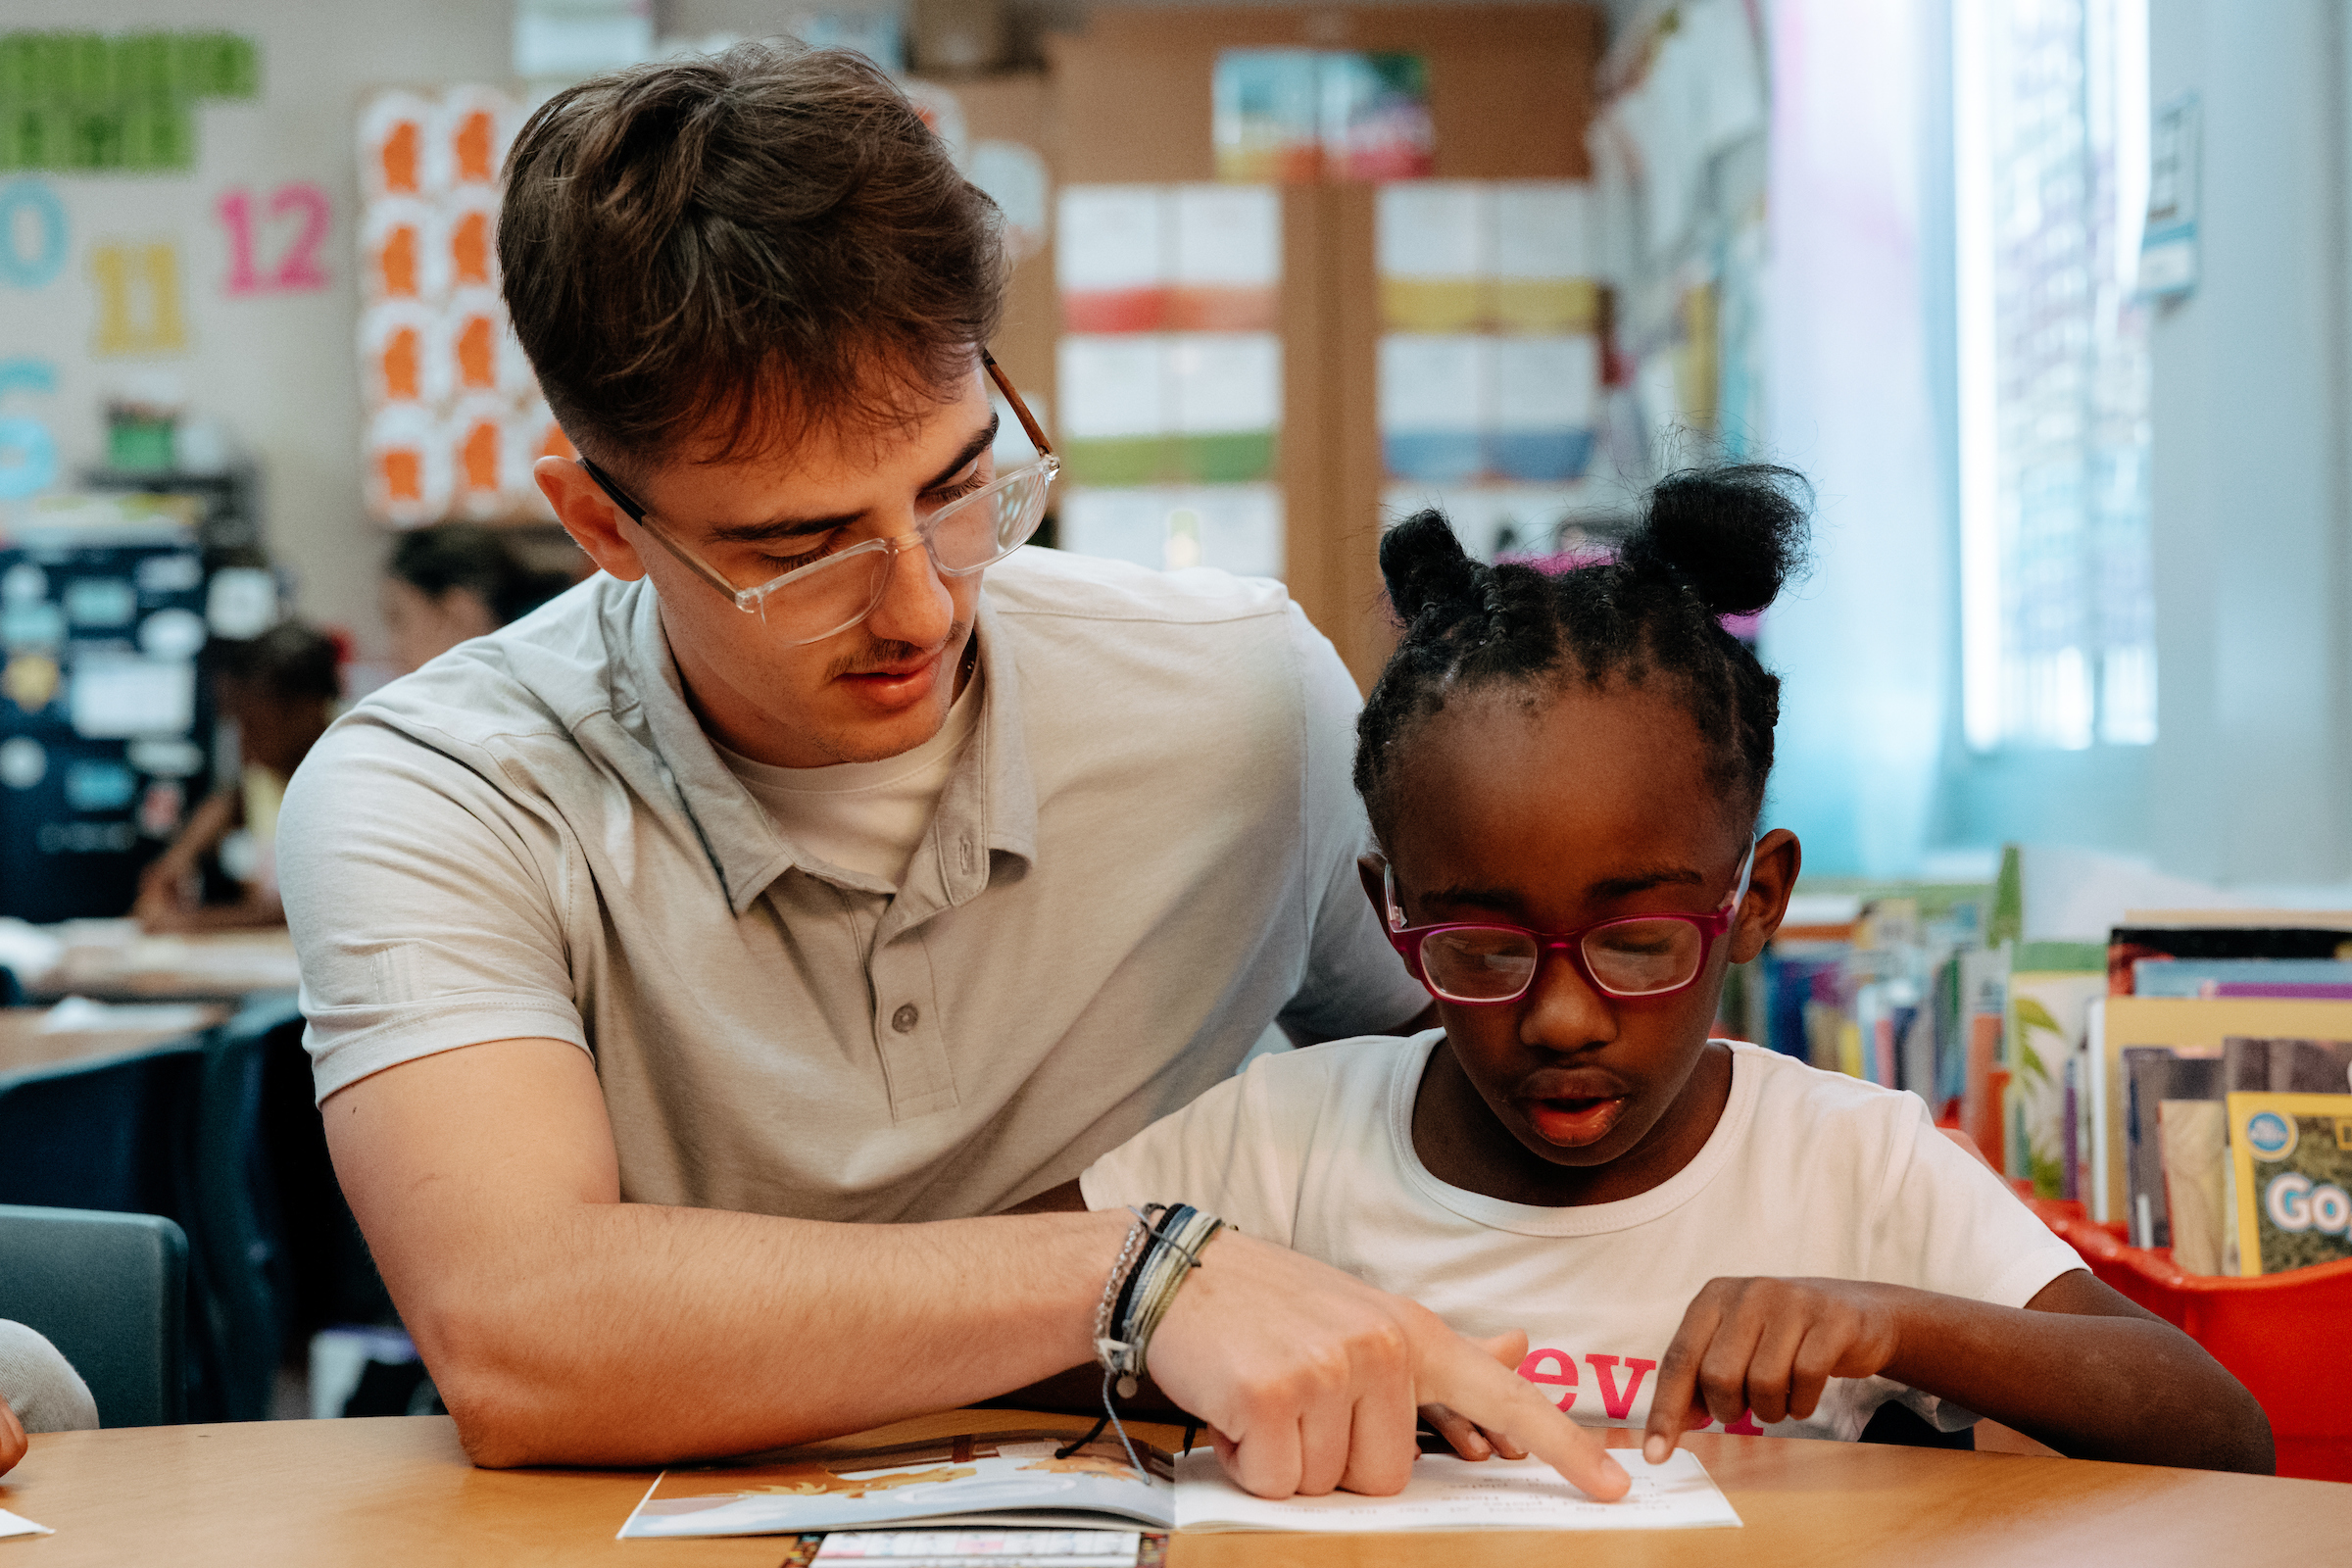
669, 952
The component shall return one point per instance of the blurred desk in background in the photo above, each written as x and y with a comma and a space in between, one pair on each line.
33, 1039
114, 961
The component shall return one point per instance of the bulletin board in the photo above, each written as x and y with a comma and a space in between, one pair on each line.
1510, 92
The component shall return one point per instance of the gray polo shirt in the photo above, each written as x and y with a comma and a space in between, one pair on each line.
1145, 854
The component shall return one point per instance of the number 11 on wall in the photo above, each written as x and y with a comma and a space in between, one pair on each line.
298, 270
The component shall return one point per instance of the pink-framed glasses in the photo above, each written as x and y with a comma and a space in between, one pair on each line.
1482, 964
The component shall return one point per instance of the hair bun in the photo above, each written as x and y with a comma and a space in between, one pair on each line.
1423, 564
1736, 535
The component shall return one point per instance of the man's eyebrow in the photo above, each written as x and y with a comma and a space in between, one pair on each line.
982, 439
752, 533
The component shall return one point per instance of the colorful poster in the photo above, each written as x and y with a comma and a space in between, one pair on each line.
1297, 115
123, 103
454, 415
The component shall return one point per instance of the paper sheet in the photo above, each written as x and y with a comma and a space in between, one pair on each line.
981, 1549
1449, 1494
16, 1524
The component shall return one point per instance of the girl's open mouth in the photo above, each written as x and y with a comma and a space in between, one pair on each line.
1572, 1123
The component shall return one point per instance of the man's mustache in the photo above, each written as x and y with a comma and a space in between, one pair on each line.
881, 655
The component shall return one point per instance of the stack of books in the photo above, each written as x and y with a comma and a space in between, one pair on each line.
2190, 1078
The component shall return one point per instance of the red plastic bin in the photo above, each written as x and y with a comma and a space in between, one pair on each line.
2286, 1337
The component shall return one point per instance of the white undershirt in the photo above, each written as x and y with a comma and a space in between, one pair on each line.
869, 817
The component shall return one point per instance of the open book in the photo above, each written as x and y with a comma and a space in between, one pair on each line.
1041, 1481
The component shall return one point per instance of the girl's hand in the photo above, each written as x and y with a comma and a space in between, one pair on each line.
1768, 1346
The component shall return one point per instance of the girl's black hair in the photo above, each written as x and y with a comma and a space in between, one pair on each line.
467, 555
1711, 542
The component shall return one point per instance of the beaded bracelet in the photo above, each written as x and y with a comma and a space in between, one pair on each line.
1162, 1251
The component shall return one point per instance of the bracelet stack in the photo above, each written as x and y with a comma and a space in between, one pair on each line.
1163, 1248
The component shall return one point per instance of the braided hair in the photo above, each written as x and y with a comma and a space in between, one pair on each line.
1711, 542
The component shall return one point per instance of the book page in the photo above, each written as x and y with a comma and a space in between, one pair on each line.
1450, 1494
1037, 1480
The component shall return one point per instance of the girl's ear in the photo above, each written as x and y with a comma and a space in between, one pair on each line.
1372, 870
1768, 885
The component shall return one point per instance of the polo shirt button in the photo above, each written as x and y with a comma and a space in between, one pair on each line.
905, 1017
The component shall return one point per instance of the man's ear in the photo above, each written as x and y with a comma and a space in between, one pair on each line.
589, 516
1768, 885
1372, 870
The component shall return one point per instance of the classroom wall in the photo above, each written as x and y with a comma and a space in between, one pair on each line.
275, 366
2251, 777
1863, 644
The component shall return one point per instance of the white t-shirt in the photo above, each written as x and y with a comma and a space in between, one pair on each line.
1809, 1173
869, 817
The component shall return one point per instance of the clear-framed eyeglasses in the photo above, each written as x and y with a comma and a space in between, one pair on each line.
1482, 964
828, 597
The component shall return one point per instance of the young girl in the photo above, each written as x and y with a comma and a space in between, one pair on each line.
1564, 775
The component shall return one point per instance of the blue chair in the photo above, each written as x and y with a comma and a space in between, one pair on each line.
109, 1134
232, 1210
110, 1290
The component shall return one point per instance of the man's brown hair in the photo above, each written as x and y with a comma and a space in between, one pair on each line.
744, 245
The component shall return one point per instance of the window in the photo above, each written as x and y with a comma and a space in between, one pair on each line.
2050, 142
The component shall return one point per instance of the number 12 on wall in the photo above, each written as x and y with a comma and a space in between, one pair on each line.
297, 270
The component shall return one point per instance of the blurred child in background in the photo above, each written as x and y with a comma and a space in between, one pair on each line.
281, 689
460, 580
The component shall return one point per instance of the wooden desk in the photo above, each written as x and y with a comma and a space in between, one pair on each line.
24, 1047
204, 965
398, 1491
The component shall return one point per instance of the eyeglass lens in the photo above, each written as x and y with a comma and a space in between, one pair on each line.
1625, 958
964, 537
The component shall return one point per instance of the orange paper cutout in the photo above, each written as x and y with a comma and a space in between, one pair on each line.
476, 353
472, 147
480, 455
469, 248
400, 366
398, 263
400, 159
403, 474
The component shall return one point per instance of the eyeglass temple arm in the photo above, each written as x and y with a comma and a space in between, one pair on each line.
1020, 410
636, 513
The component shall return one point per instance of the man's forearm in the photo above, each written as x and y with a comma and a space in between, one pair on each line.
626, 1332
563, 1325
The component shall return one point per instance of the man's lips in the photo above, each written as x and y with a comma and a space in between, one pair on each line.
1573, 1106
896, 685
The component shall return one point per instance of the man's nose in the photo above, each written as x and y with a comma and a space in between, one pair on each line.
915, 606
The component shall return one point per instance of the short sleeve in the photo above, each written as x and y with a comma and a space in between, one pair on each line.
1948, 1224
1235, 1152
1354, 983
422, 904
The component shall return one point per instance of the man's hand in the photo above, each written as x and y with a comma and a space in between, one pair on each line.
1468, 1439
1309, 1379
1768, 1346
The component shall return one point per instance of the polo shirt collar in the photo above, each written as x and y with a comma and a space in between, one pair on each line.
989, 797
